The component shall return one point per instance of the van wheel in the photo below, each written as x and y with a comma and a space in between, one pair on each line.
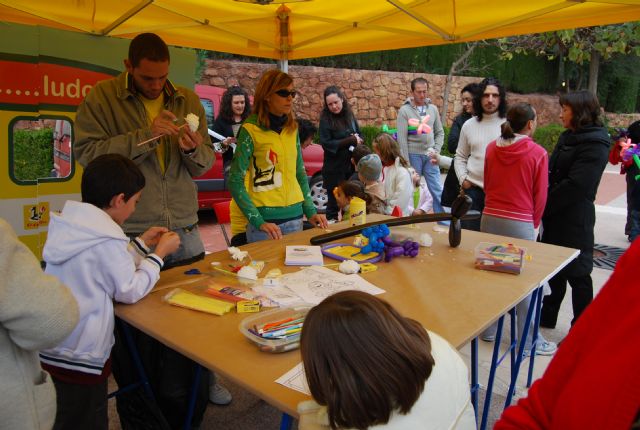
318, 193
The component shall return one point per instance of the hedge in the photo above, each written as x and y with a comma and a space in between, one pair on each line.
32, 154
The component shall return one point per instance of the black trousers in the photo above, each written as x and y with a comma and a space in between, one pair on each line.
81, 406
477, 195
581, 296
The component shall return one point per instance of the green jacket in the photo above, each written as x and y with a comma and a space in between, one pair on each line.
112, 119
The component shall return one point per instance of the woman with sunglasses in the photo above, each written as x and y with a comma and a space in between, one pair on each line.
267, 179
339, 134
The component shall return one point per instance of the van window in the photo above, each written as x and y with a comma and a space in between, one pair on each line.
208, 111
40, 150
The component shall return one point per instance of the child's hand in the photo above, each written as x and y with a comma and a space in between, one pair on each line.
169, 243
151, 236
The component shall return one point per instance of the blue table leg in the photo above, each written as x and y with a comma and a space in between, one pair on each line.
514, 371
133, 351
536, 331
192, 397
492, 374
474, 376
286, 422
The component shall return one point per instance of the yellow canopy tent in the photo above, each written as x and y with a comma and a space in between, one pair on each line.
313, 28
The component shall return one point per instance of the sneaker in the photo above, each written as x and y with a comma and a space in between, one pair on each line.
219, 395
488, 337
543, 348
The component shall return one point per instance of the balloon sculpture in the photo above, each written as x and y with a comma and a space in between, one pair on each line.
379, 242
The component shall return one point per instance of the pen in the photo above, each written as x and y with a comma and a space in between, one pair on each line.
280, 333
276, 323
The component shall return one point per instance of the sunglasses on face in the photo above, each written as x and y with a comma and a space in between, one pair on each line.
286, 93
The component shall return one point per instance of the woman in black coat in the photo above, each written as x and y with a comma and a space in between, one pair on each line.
339, 134
451, 187
235, 107
575, 169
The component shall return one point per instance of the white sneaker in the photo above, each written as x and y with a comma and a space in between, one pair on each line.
219, 395
543, 348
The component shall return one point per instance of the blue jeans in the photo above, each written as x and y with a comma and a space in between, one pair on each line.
191, 247
256, 235
431, 173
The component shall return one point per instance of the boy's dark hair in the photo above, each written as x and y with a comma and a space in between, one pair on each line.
305, 129
149, 46
226, 109
364, 360
360, 151
354, 189
477, 100
585, 108
107, 176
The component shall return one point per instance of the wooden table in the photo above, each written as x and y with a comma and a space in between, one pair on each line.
440, 288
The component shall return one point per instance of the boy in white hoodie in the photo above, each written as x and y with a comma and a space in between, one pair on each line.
88, 251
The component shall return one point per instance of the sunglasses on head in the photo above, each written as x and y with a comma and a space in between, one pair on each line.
286, 93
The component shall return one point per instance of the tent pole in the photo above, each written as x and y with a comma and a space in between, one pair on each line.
283, 65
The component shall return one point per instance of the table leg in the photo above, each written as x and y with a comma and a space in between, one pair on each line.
492, 374
286, 422
133, 351
474, 376
536, 330
192, 397
514, 371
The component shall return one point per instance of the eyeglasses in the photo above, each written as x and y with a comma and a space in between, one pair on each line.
286, 93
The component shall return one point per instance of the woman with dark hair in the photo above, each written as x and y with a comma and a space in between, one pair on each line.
575, 169
515, 186
339, 134
267, 179
367, 365
451, 187
234, 108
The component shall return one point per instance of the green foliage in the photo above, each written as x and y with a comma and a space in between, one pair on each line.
547, 136
619, 84
32, 154
369, 132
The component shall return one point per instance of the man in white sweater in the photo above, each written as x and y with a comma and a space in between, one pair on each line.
475, 135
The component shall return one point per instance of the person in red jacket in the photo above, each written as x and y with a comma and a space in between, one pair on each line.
593, 381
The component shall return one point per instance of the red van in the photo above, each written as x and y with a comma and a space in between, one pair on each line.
211, 185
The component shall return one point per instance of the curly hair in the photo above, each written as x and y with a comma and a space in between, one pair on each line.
226, 108
477, 100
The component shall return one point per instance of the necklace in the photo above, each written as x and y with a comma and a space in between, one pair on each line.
422, 110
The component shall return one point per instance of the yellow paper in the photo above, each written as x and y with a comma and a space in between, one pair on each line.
189, 300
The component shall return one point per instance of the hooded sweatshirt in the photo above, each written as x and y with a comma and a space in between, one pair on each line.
90, 253
515, 179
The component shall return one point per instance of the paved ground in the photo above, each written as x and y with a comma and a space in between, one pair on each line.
250, 413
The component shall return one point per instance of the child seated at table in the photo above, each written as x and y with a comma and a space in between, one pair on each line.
344, 192
356, 155
422, 202
397, 180
88, 251
367, 366
369, 171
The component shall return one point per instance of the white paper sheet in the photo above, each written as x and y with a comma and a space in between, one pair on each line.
295, 380
314, 284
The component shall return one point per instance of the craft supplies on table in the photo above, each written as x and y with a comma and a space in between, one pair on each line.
277, 330
303, 255
343, 251
506, 258
185, 299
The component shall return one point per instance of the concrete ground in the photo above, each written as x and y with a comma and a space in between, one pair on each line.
248, 412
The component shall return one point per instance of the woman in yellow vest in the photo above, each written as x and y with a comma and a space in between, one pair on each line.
267, 180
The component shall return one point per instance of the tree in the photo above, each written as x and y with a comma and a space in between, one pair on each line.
580, 45
460, 65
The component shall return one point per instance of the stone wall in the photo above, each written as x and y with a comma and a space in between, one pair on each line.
374, 95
